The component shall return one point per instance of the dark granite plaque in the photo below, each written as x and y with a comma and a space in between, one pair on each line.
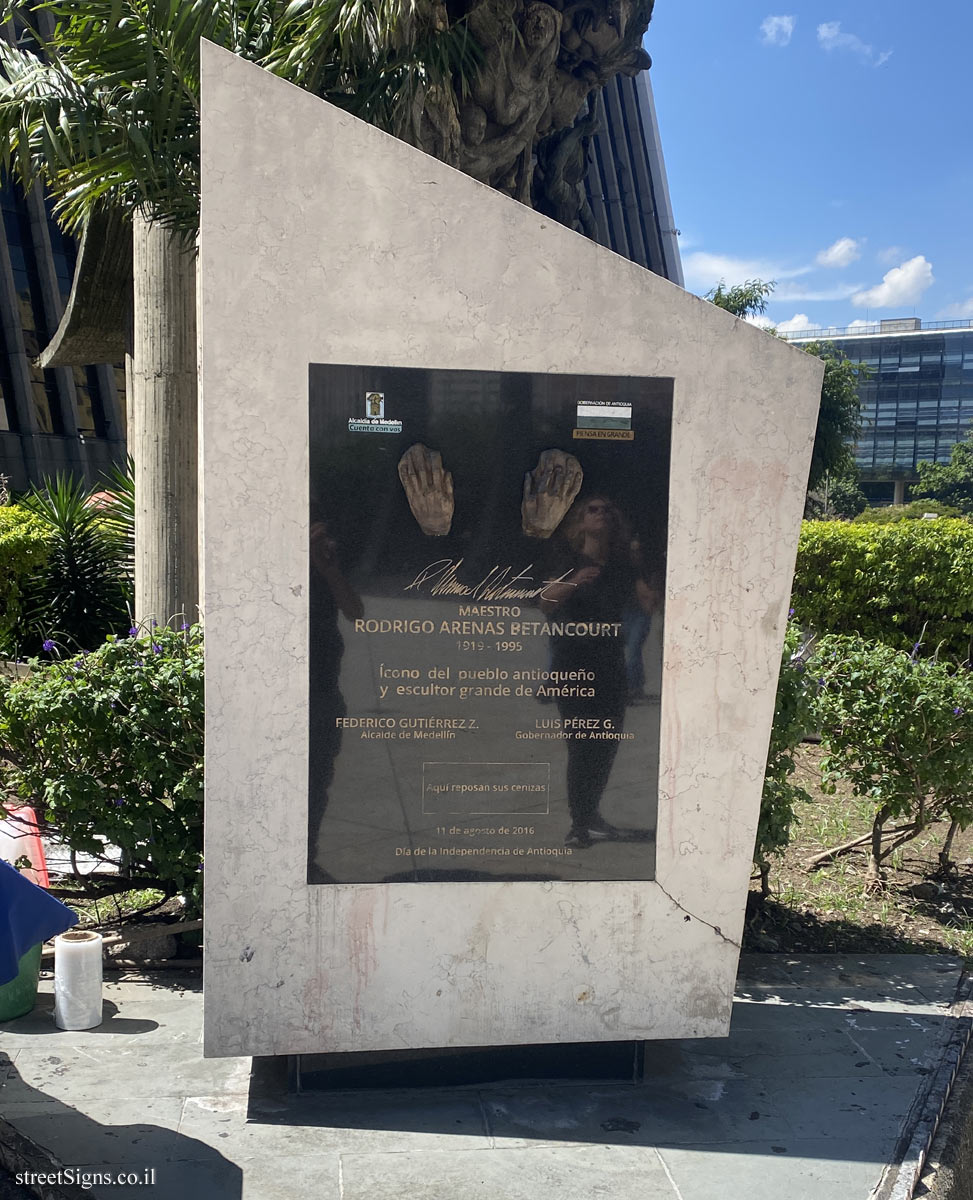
487, 570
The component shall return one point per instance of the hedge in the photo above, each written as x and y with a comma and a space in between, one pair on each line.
915, 510
909, 585
25, 545
108, 748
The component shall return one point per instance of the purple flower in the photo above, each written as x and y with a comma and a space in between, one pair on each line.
134, 631
156, 648
117, 801
48, 645
790, 612
184, 625
957, 712
153, 622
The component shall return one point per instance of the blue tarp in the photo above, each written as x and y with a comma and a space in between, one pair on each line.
28, 915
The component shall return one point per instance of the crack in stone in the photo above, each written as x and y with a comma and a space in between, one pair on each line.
715, 928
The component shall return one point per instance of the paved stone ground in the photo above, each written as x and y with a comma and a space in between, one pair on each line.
823, 1081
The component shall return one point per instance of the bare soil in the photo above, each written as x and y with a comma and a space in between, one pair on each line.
917, 910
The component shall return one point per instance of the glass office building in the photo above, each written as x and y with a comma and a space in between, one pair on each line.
626, 182
917, 401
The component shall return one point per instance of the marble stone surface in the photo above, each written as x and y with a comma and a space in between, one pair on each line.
325, 240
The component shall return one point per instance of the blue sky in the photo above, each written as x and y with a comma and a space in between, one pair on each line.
824, 145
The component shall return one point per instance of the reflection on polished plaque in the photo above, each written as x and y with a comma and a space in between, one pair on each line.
487, 572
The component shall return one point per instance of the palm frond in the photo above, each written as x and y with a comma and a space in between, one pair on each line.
118, 514
83, 592
106, 109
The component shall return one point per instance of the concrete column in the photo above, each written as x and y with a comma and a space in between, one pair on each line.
162, 435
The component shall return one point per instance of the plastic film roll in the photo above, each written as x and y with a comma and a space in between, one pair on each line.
77, 979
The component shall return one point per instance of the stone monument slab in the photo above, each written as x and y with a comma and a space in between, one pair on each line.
466, 474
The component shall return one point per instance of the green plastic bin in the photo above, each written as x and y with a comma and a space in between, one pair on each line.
19, 996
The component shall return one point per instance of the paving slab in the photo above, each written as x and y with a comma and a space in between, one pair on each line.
771, 1016
567, 1173
799, 1169
404, 1122
104, 1133
264, 1178
153, 1013
74, 1073
879, 981
645, 1116
826, 1076
747, 1054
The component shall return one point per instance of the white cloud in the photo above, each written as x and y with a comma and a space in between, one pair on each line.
760, 321
799, 321
956, 312
843, 252
777, 30
890, 255
902, 285
704, 270
860, 323
830, 37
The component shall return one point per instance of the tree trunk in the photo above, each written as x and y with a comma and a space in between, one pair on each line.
873, 875
945, 863
162, 434
539, 63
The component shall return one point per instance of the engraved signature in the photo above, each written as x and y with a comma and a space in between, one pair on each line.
500, 583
